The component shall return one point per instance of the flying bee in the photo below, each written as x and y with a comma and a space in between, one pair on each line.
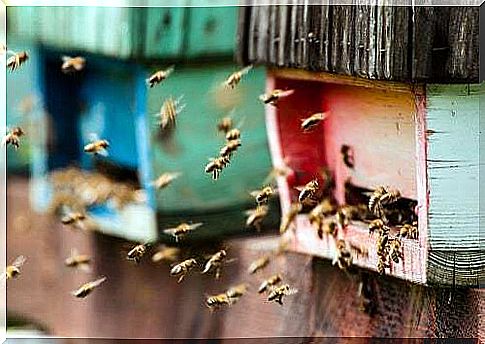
278, 171
236, 77
341, 219
262, 196
13, 270
289, 217
347, 156
409, 231
275, 96
165, 179
13, 137
270, 282
343, 257
72, 64
395, 252
225, 124
327, 227
233, 134
215, 166
235, 292
76, 260
277, 293
381, 197
310, 123
377, 225
87, 288
215, 263
168, 112
97, 146
137, 252
218, 301
74, 219
166, 253
182, 230
258, 264
159, 76
256, 216
323, 209
183, 268
308, 191
230, 147
16, 60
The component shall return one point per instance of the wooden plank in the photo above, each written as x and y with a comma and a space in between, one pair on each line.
282, 34
273, 28
242, 37
253, 34
319, 42
342, 54
365, 39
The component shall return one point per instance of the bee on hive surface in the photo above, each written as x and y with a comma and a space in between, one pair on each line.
381, 197
236, 77
72, 64
395, 252
166, 179
182, 230
343, 257
289, 217
13, 137
216, 165
168, 112
215, 263
262, 196
97, 146
230, 147
270, 282
409, 231
310, 123
277, 293
327, 227
379, 226
308, 191
218, 301
13, 270
275, 96
341, 219
16, 60
182, 269
235, 292
347, 156
224, 125
159, 76
80, 261
169, 254
137, 252
323, 209
382, 265
87, 288
256, 216
258, 264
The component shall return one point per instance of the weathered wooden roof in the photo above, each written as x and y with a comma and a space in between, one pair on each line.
403, 43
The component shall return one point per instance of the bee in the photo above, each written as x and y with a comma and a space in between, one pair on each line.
258, 264
270, 282
329, 228
309, 123
159, 76
137, 252
308, 191
342, 219
381, 265
381, 197
15, 61
289, 217
13, 270
87, 288
236, 77
230, 147
215, 263
72, 64
166, 253
215, 166
81, 261
359, 250
165, 179
217, 301
347, 156
233, 134
395, 252
278, 171
182, 230
277, 293
409, 231
343, 257
13, 137
262, 196
168, 113
324, 208
183, 268
74, 219
97, 146
382, 244
235, 292
377, 225
256, 216
274, 96
225, 124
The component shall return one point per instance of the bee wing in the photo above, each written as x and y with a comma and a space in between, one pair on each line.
240, 124
4, 140
103, 152
254, 193
98, 281
299, 188
19, 261
246, 69
65, 58
195, 225
85, 268
93, 137
291, 291
170, 231
249, 212
170, 70
286, 93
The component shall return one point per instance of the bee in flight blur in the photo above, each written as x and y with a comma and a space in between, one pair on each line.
13, 137
269, 283
262, 196
256, 216
80, 261
181, 270
215, 263
182, 230
137, 252
16, 60
224, 125
310, 123
343, 257
258, 264
216, 165
236, 77
275, 96
166, 253
87, 288
289, 217
347, 156
97, 146
166, 179
218, 301
168, 112
72, 64
13, 270
230, 147
308, 191
277, 293
159, 76
74, 219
